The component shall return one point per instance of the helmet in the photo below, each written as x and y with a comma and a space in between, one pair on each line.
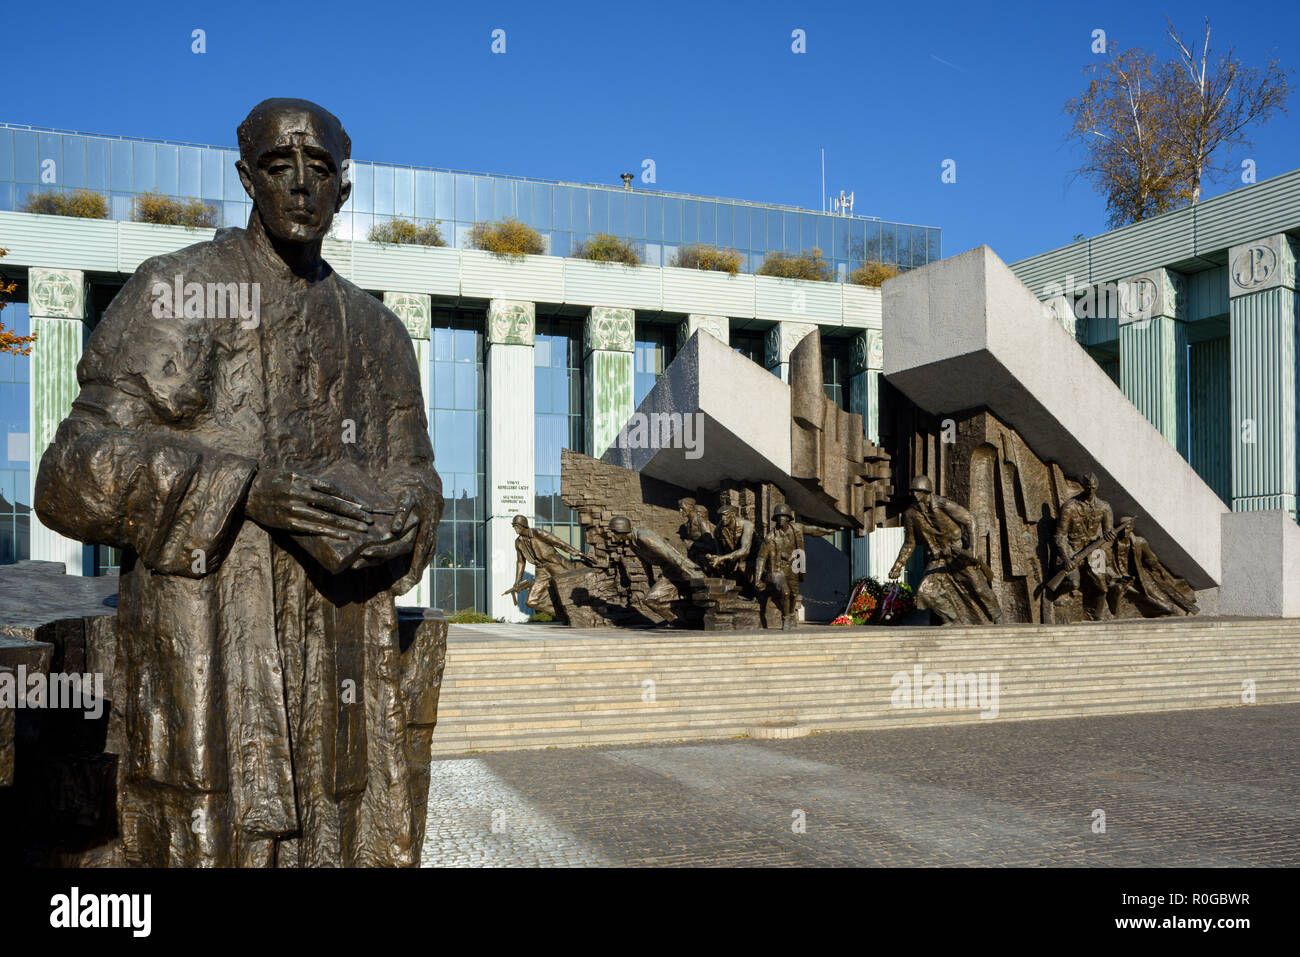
620, 523
783, 509
520, 521
921, 483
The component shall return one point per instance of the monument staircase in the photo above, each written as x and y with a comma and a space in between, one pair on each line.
539, 686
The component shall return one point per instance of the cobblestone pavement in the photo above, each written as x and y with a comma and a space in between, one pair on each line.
1196, 788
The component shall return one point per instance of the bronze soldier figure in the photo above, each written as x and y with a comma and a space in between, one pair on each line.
777, 567
674, 569
1084, 527
735, 540
272, 488
1144, 578
538, 547
957, 584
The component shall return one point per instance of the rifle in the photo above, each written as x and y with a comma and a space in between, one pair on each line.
1078, 558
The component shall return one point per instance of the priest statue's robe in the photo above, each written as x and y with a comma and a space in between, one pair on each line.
267, 704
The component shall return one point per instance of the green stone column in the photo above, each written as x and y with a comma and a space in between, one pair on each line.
1209, 369
872, 554
717, 326
1153, 351
609, 341
1262, 324
415, 309
56, 303
780, 342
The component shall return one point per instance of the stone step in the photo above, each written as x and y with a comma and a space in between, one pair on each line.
730, 726
676, 712
460, 675
702, 685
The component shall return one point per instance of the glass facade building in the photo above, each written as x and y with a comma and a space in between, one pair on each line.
36, 160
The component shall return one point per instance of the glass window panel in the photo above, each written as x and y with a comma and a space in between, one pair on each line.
918, 246
168, 174
444, 384
598, 201
775, 232
654, 217
190, 180
74, 162
690, 221
724, 213
561, 244
465, 199
503, 199
424, 201
6, 154
443, 345
636, 215
560, 397
739, 227
234, 214
363, 188
383, 180
445, 188
542, 389
825, 234
144, 172
213, 176
672, 220
483, 199
654, 254
856, 241
708, 223
6, 196
403, 192
562, 207
903, 245
618, 215
466, 346
934, 248
26, 152
579, 213
887, 243
542, 198
234, 188
808, 231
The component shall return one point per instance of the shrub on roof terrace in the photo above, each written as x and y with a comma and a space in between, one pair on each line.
82, 203
507, 237
169, 211
873, 273
708, 257
406, 232
808, 264
605, 248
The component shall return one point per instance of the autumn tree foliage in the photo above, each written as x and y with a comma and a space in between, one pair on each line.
9, 341
1155, 130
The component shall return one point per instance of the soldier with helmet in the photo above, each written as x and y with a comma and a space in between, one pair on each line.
957, 584
673, 569
540, 548
777, 568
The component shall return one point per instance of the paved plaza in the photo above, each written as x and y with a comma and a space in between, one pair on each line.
1216, 788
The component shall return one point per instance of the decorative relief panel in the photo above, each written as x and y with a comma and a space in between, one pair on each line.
1264, 264
610, 330
511, 322
414, 309
56, 293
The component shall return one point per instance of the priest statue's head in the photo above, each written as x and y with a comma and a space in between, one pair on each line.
293, 156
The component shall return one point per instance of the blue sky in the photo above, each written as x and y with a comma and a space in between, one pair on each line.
711, 92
